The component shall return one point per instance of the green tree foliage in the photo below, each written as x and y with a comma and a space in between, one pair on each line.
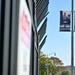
44, 60
58, 65
57, 61
65, 73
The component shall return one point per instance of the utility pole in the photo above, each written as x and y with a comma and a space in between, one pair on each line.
72, 43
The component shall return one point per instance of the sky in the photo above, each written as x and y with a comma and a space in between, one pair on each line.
58, 42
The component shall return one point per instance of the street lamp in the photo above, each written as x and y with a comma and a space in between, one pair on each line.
47, 58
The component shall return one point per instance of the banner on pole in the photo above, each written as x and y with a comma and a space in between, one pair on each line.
65, 20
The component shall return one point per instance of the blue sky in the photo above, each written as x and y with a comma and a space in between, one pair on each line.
59, 42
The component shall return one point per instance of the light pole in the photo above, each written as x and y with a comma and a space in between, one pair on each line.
47, 59
72, 43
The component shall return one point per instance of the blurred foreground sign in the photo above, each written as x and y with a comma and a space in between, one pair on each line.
24, 39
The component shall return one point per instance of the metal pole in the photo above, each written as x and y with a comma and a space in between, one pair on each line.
38, 56
72, 43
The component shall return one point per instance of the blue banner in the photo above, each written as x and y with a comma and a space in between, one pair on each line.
65, 20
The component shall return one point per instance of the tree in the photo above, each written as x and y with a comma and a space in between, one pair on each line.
44, 60
65, 73
57, 61
58, 65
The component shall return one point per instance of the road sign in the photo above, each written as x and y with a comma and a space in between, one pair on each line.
47, 65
